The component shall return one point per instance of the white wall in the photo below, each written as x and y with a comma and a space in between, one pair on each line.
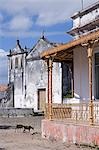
37, 78
19, 83
81, 77
87, 18
81, 88
57, 83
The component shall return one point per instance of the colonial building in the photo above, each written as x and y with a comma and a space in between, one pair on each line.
83, 51
28, 76
86, 22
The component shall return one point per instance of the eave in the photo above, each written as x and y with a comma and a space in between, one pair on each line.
65, 51
85, 28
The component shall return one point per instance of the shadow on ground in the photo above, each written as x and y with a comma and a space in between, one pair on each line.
6, 127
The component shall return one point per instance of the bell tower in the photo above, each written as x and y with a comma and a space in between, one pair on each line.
17, 74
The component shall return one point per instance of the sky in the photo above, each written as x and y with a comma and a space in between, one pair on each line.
27, 19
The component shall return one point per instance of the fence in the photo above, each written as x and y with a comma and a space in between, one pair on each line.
73, 112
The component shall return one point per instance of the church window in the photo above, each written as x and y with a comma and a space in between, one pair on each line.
11, 64
16, 62
21, 63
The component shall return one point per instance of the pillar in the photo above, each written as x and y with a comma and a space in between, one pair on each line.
50, 65
91, 107
48, 90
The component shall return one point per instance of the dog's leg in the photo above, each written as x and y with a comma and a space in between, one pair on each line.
23, 129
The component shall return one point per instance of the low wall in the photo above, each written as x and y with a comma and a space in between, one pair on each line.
70, 133
16, 112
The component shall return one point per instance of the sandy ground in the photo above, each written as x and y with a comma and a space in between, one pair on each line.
11, 139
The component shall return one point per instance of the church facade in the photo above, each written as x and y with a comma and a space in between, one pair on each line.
27, 74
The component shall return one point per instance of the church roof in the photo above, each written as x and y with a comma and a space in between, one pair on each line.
41, 45
17, 49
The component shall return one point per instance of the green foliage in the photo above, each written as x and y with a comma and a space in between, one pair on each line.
68, 95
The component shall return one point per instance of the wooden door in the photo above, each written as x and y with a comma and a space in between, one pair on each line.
41, 99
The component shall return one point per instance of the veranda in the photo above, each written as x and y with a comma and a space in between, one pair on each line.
72, 122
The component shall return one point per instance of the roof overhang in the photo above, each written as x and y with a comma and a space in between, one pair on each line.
65, 52
85, 28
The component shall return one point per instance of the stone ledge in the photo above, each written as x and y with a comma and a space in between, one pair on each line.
11, 112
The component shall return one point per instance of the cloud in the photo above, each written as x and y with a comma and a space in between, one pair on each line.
42, 20
3, 66
20, 23
48, 10
3, 60
20, 13
3, 53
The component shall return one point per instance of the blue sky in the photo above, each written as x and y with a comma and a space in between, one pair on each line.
26, 19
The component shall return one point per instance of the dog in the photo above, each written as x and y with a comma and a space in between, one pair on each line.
19, 126
27, 128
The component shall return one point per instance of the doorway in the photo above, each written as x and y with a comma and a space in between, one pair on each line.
41, 99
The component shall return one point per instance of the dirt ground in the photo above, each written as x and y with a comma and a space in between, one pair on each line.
11, 139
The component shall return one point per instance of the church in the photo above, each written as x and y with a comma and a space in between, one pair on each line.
28, 76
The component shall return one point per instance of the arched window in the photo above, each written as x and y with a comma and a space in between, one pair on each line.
16, 62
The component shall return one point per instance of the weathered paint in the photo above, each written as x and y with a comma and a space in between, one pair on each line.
84, 19
17, 70
37, 76
70, 132
31, 75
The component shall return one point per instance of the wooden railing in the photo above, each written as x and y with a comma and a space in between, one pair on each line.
74, 112
59, 111
96, 113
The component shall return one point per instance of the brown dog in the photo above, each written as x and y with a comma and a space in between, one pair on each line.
19, 126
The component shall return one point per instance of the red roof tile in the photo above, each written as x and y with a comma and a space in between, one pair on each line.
3, 88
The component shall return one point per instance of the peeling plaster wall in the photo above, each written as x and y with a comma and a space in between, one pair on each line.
17, 77
31, 75
37, 78
37, 75
57, 83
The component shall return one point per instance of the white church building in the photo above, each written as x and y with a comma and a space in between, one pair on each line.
27, 74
